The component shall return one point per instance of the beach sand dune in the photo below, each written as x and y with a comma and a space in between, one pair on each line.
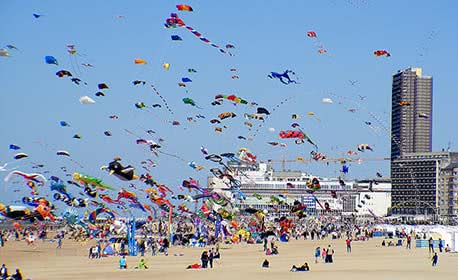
368, 261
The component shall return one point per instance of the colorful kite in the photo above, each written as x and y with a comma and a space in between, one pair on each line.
184, 7
284, 77
382, 53
174, 21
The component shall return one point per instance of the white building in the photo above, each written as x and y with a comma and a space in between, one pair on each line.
259, 183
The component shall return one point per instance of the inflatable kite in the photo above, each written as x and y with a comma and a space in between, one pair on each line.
35, 177
87, 180
126, 173
93, 216
284, 77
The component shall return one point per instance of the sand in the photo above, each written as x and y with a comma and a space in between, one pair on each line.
241, 261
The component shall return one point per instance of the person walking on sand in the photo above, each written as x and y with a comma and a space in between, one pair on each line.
59, 243
323, 254
409, 242
434, 259
348, 241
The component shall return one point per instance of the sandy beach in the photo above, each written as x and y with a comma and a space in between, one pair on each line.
367, 261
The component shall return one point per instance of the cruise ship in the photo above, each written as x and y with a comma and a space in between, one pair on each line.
267, 189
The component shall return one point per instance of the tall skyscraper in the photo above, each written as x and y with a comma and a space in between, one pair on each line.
411, 112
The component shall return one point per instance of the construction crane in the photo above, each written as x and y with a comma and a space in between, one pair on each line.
325, 160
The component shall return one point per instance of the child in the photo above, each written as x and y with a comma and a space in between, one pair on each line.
434, 259
317, 254
142, 264
123, 263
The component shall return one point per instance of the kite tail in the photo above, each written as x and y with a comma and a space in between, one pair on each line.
205, 40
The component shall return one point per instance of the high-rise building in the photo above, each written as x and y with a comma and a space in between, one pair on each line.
411, 113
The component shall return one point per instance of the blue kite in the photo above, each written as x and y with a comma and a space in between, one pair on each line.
284, 78
51, 60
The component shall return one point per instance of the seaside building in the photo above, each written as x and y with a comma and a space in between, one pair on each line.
260, 182
419, 186
448, 193
411, 112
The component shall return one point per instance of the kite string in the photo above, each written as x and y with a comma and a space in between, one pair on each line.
392, 137
273, 110
162, 98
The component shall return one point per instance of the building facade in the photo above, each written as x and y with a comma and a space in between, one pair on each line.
411, 112
261, 184
448, 194
416, 181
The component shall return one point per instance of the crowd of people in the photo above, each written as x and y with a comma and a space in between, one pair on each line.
158, 242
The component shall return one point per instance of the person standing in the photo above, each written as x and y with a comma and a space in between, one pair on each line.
409, 242
165, 246
317, 254
431, 245
123, 263
123, 247
434, 259
210, 258
141, 247
329, 253
348, 241
204, 259
153, 245
59, 243
2, 242
441, 246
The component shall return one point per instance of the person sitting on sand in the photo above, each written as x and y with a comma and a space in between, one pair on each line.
265, 264
447, 249
141, 264
268, 252
275, 250
3, 272
123, 263
383, 243
194, 266
304, 267
17, 275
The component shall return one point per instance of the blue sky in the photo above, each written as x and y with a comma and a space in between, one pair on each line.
268, 36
